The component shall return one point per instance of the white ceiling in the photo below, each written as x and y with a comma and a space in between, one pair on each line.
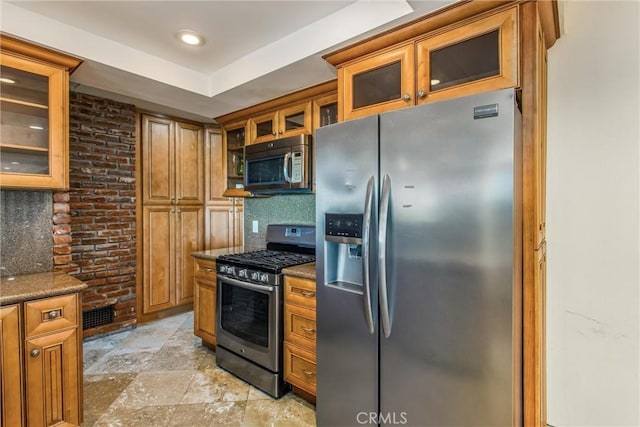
254, 51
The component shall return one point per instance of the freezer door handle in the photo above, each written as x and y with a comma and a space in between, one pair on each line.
366, 238
382, 260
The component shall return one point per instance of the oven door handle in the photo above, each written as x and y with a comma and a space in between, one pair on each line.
246, 285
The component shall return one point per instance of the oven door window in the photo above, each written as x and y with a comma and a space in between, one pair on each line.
245, 314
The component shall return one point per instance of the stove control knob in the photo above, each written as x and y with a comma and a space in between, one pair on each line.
264, 277
231, 270
223, 269
243, 273
255, 276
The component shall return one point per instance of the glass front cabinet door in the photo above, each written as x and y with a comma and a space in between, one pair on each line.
379, 83
289, 121
234, 138
34, 119
477, 57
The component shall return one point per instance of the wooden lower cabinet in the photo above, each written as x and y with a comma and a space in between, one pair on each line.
51, 354
300, 334
170, 235
11, 366
204, 303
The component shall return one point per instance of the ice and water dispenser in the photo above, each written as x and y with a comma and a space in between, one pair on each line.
343, 251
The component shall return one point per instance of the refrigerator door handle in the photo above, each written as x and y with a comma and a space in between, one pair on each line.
366, 237
382, 250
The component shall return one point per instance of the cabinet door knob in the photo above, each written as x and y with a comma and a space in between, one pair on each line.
273, 133
35, 352
280, 132
422, 94
406, 97
52, 314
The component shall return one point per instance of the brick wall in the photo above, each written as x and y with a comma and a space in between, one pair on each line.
99, 209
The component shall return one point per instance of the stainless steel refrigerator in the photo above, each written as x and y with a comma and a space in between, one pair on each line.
418, 236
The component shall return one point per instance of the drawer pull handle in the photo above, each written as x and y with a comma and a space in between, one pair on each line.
208, 270
308, 373
308, 294
309, 330
35, 352
53, 314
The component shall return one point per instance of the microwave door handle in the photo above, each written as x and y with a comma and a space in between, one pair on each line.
285, 167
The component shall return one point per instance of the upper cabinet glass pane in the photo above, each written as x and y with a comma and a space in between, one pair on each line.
378, 85
24, 122
18, 85
264, 128
294, 121
329, 114
466, 61
235, 138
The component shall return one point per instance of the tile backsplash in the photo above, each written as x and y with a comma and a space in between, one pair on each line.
297, 209
26, 239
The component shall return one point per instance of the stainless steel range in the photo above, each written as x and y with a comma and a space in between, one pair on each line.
249, 316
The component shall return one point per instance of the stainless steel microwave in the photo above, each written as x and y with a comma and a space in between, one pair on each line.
279, 166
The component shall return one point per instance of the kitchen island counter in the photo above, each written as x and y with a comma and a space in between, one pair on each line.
25, 287
304, 271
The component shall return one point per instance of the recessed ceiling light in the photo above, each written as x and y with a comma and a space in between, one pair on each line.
15, 163
190, 37
435, 82
7, 80
35, 127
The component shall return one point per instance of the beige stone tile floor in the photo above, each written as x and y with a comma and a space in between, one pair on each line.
160, 374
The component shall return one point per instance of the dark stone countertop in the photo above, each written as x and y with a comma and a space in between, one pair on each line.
25, 287
305, 271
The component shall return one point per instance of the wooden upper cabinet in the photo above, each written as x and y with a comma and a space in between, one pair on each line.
234, 138
479, 54
34, 136
172, 162
477, 57
289, 121
325, 111
378, 83
215, 169
158, 157
189, 155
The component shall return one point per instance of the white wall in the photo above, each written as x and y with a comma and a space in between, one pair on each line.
593, 202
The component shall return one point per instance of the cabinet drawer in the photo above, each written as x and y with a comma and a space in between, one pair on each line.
300, 326
300, 368
300, 292
50, 314
206, 268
